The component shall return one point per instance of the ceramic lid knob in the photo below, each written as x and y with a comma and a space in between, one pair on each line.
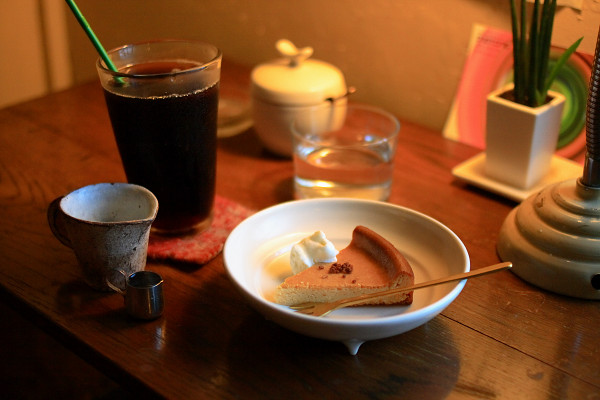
295, 79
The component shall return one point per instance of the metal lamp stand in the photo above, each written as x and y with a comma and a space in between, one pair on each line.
553, 237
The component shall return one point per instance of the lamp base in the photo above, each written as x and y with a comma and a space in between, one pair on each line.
553, 239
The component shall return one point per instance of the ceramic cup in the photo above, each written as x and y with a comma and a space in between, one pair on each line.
142, 292
107, 225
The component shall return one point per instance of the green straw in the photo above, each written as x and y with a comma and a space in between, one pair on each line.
88, 30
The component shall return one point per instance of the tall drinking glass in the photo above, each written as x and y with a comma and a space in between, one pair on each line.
163, 105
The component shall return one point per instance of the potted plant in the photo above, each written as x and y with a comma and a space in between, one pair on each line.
523, 119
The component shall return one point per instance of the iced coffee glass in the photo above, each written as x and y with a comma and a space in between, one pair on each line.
163, 105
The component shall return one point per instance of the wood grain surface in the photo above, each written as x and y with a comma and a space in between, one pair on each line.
501, 338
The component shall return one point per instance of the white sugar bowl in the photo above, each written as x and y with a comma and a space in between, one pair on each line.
283, 88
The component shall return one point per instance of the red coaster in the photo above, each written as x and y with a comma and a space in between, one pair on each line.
200, 248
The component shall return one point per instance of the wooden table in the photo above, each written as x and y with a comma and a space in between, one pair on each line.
501, 338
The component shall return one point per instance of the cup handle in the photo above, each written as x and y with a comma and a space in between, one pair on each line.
56, 221
115, 287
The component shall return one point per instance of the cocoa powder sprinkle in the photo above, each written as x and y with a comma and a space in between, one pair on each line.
337, 268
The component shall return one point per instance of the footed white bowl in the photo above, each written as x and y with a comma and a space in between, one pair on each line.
432, 249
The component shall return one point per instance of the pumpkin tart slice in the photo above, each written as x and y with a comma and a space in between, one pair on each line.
368, 264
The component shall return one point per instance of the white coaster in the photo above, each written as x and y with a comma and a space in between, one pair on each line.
472, 171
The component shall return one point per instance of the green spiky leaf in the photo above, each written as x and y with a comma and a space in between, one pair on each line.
531, 51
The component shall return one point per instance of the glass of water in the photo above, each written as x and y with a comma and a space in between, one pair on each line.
344, 150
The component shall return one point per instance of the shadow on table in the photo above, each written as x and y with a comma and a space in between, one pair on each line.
415, 364
247, 144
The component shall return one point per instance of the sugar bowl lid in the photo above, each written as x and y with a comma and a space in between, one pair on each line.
295, 79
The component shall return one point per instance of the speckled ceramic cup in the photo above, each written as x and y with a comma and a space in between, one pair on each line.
108, 226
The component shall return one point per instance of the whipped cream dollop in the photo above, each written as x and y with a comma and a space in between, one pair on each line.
311, 250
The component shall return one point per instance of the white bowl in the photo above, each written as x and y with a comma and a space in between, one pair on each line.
432, 249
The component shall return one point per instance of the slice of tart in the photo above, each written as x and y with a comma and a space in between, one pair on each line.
369, 264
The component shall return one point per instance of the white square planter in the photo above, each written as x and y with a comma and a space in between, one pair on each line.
521, 140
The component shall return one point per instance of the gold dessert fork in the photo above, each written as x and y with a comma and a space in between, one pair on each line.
321, 309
